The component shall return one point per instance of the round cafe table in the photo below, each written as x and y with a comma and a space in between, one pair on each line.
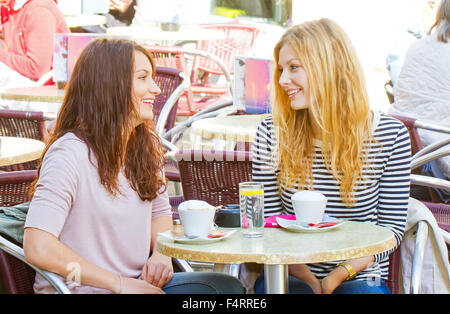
225, 131
47, 99
48, 93
16, 150
279, 247
79, 20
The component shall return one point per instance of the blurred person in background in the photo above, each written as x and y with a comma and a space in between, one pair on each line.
121, 13
26, 50
423, 87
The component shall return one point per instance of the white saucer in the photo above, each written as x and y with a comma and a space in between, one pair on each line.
292, 225
199, 240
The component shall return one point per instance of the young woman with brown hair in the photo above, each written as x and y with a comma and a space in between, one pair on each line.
100, 198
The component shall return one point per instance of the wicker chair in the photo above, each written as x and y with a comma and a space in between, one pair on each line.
213, 177
14, 186
170, 81
16, 274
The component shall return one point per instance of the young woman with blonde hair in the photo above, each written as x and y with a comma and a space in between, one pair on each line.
100, 198
323, 136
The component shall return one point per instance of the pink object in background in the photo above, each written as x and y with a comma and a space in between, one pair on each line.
271, 221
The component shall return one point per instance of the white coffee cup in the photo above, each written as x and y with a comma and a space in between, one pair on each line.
197, 218
309, 206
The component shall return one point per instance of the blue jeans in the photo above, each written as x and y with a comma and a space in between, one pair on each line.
203, 283
297, 286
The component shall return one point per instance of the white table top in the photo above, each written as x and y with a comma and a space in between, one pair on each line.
279, 246
239, 128
155, 33
48, 93
15, 150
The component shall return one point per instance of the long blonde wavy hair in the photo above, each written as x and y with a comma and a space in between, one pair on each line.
339, 105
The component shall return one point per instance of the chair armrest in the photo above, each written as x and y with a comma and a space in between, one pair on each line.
419, 252
168, 145
433, 182
422, 159
431, 126
183, 265
44, 78
431, 148
208, 112
18, 253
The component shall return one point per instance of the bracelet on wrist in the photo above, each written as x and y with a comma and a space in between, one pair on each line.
120, 284
349, 268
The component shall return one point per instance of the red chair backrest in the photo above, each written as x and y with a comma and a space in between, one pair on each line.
213, 177
239, 39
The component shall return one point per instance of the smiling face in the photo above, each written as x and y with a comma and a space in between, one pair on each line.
293, 78
145, 89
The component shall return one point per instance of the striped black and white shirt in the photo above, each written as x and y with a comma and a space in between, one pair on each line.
381, 198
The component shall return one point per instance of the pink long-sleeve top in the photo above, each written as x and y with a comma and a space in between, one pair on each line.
113, 232
28, 38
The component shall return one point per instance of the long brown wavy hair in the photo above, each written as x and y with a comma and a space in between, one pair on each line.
339, 105
98, 107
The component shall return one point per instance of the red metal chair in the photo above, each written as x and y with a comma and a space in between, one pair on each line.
174, 57
239, 38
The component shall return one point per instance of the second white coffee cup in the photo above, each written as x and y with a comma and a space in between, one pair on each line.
197, 218
309, 206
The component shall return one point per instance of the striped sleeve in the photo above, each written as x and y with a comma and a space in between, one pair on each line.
394, 187
263, 167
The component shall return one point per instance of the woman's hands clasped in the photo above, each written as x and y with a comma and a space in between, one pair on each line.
155, 274
158, 270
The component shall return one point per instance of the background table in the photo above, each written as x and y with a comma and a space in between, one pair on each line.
15, 150
279, 247
39, 93
84, 20
224, 132
186, 33
47, 99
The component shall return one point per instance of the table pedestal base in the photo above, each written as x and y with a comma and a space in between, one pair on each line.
276, 279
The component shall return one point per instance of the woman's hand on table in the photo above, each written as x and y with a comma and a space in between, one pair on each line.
158, 270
